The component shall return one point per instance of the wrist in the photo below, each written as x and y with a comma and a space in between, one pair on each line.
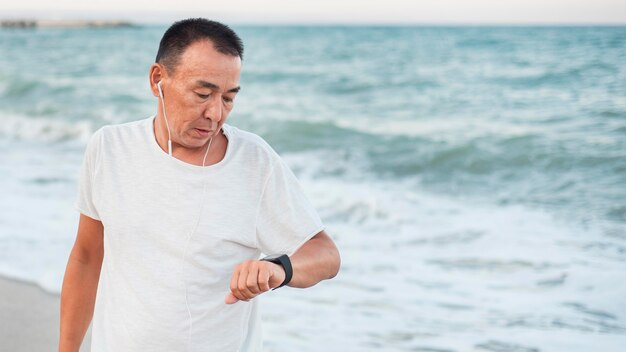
284, 262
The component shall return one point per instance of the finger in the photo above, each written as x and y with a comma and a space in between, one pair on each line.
234, 284
234, 280
230, 299
264, 278
243, 293
253, 279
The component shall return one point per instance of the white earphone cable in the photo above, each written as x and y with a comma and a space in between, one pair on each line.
187, 245
169, 137
184, 258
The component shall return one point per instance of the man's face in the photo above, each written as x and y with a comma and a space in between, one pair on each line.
200, 93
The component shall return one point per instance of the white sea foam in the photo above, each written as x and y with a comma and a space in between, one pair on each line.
423, 271
44, 129
418, 270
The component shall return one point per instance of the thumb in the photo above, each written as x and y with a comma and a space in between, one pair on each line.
230, 298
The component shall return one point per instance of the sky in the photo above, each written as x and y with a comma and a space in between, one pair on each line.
329, 11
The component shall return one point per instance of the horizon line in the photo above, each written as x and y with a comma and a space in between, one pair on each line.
314, 23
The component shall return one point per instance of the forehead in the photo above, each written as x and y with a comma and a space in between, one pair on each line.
201, 61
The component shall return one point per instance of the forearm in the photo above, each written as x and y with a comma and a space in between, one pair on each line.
316, 260
78, 297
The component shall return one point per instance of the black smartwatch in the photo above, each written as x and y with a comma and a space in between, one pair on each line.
282, 260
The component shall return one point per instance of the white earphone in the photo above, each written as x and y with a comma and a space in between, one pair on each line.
169, 137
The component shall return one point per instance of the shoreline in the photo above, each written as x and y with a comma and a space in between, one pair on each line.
30, 318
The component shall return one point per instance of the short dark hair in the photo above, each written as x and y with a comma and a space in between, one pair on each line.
183, 33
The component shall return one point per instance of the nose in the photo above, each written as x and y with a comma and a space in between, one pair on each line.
213, 109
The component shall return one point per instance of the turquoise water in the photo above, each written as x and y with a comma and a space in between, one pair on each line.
481, 171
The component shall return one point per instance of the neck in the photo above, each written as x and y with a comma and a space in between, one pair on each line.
160, 133
190, 155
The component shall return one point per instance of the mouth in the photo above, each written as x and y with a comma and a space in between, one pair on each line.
203, 132
207, 132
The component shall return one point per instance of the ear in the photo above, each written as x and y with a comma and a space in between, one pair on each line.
157, 73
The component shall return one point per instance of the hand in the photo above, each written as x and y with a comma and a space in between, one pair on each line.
253, 277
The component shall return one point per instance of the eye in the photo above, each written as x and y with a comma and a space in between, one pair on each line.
228, 100
203, 96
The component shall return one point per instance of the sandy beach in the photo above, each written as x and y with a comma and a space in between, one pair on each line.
29, 318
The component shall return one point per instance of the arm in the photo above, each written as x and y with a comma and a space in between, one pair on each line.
318, 259
80, 282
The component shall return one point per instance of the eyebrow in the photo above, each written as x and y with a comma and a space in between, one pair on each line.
215, 86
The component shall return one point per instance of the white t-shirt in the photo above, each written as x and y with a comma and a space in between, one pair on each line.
149, 203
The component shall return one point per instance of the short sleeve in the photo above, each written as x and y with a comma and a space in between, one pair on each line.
286, 218
84, 201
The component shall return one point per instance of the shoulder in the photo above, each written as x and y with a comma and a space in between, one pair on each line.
122, 136
124, 130
251, 145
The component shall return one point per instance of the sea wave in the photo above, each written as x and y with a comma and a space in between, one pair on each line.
44, 129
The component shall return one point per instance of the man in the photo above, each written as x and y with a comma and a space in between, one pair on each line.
176, 210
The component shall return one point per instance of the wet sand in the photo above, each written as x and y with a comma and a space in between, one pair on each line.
29, 318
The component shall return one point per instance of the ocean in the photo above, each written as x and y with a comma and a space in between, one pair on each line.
473, 178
